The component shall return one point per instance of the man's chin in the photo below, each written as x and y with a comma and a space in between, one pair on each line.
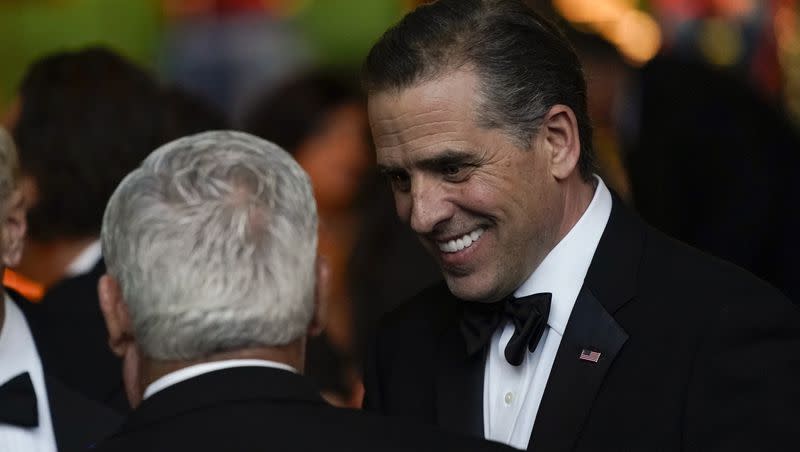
468, 289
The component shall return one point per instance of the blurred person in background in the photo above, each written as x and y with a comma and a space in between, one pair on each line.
712, 163
188, 113
320, 118
84, 120
37, 412
708, 150
611, 103
213, 287
707, 158
229, 50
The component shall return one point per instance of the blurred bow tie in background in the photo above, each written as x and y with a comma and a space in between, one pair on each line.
18, 402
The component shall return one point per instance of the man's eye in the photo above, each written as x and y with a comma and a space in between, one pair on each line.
399, 181
451, 170
454, 173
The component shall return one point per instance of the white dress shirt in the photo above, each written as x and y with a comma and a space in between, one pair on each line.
186, 373
17, 355
511, 395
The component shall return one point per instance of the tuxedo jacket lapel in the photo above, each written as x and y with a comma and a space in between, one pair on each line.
573, 382
78, 422
459, 386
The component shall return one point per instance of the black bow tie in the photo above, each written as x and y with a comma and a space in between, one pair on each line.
528, 314
18, 402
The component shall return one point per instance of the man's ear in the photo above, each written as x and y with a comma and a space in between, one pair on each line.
320, 319
120, 336
559, 131
115, 312
14, 227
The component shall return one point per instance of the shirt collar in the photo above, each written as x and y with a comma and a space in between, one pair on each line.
186, 373
86, 260
17, 349
563, 269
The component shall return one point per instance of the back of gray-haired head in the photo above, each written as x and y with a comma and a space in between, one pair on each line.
213, 241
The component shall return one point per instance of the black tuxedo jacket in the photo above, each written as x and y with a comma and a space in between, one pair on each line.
696, 354
68, 319
78, 422
264, 409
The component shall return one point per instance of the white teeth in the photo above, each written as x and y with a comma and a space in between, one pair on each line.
459, 244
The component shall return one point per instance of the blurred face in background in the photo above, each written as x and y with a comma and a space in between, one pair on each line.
12, 207
337, 157
8, 118
26, 184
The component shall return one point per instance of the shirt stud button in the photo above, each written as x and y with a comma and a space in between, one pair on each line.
509, 398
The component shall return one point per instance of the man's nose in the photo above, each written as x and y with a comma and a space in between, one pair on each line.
429, 206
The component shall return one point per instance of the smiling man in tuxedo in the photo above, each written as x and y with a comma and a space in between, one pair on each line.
564, 322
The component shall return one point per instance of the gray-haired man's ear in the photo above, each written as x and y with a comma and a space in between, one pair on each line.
120, 336
115, 313
321, 295
14, 227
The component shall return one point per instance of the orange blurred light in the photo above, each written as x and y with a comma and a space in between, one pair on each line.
785, 26
637, 36
588, 11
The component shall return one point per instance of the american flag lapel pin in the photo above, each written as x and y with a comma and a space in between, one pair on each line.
589, 355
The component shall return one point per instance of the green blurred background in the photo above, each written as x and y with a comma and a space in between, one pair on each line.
339, 31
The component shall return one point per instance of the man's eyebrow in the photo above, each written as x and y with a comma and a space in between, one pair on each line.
447, 158
388, 169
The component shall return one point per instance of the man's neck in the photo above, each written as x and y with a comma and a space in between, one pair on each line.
47, 262
292, 354
577, 197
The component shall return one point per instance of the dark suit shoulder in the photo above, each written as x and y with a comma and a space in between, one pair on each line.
403, 352
290, 427
676, 270
261, 410
706, 299
743, 363
429, 310
411, 330
78, 422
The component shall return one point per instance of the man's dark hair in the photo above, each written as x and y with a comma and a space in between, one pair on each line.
525, 64
297, 108
187, 114
87, 119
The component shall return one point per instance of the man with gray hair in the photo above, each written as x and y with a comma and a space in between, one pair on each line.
212, 288
37, 412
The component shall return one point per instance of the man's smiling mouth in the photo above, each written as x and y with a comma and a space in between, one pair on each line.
458, 244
